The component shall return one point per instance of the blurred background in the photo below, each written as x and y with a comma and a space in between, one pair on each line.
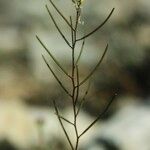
27, 88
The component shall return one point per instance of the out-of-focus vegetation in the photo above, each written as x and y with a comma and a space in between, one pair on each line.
24, 76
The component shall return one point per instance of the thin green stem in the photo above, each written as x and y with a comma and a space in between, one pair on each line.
65, 132
51, 55
61, 117
77, 87
72, 31
100, 26
98, 64
83, 99
60, 13
56, 77
100, 115
80, 52
51, 16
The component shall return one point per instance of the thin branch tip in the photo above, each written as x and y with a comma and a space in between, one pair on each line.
95, 68
97, 28
57, 27
61, 14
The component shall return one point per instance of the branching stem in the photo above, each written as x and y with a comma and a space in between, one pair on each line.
74, 76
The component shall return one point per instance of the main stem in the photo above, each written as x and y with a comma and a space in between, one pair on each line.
75, 90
